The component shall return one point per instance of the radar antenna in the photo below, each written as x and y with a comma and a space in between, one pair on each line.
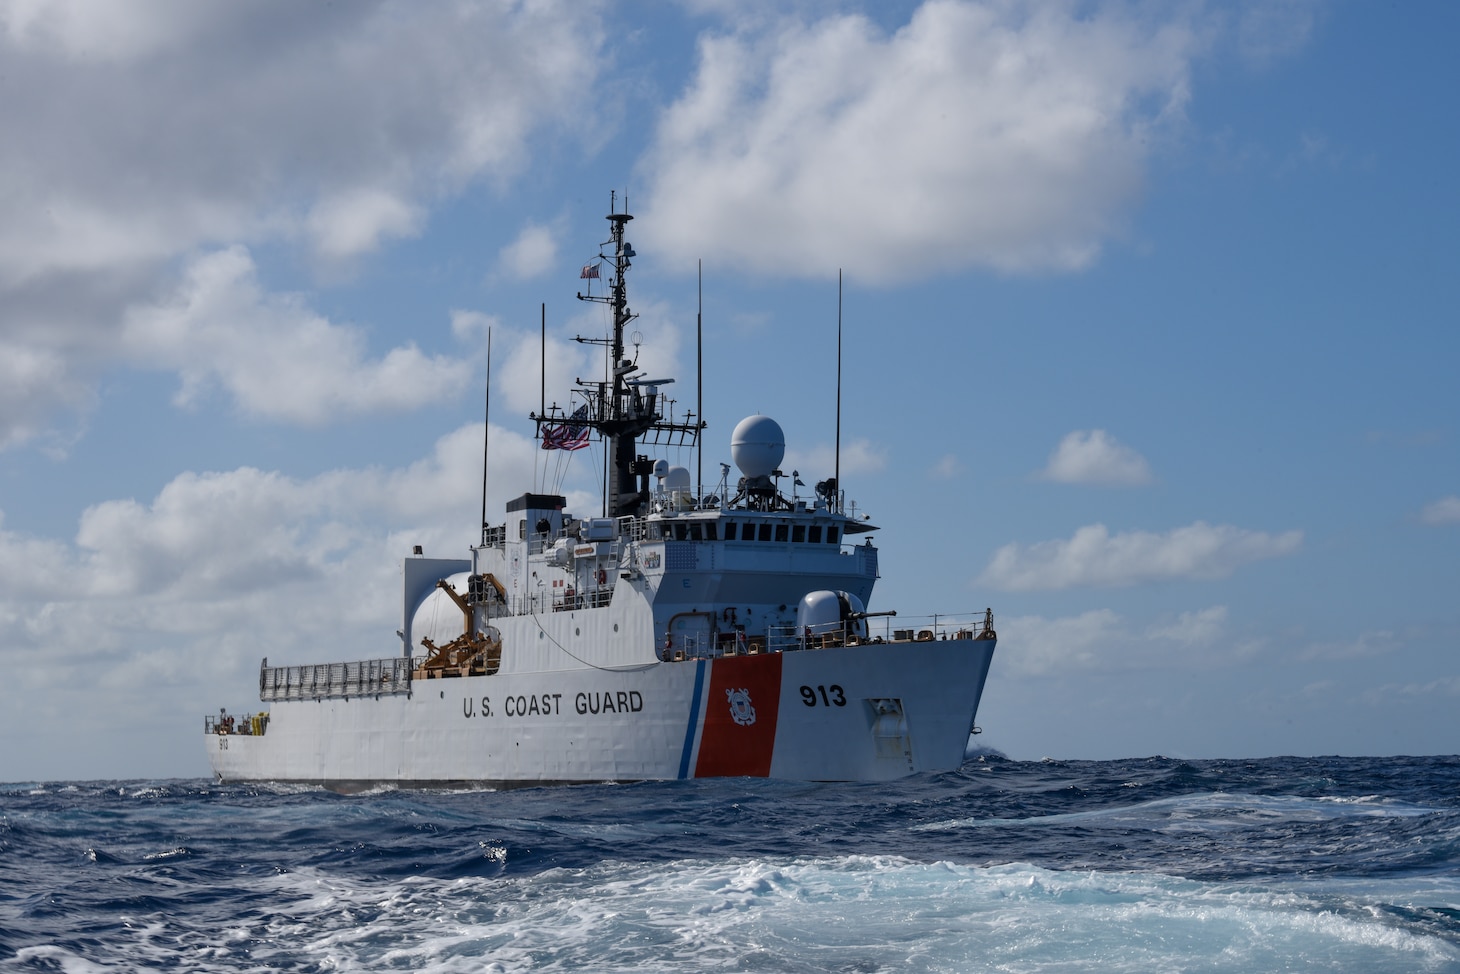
626, 407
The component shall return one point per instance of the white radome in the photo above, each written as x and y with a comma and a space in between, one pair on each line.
757, 446
437, 617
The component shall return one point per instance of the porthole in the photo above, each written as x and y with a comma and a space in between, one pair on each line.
577, 632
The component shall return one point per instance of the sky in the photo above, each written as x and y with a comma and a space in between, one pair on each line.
1148, 323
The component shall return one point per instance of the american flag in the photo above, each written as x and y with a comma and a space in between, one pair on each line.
572, 435
589, 271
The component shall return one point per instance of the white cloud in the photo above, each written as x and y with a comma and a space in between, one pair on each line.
1102, 640
1193, 628
1446, 510
859, 456
1095, 557
1033, 645
33, 379
1007, 135
1269, 31
29, 567
1411, 693
533, 252
84, 31
947, 468
1096, 457
267, 119
272, 354
282, 560
139, 135
1366, 645
517, 372
472, 326
346, 224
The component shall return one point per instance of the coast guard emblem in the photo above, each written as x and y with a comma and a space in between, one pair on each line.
740, 709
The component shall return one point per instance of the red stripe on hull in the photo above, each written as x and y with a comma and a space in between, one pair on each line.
740, 717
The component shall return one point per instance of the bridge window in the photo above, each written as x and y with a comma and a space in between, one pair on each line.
765, 532
831, 534
815, 537
798, 533
729, 530
711, 532
780, 532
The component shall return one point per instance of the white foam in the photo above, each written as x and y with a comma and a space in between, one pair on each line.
846, 913
1211, 812
802, 914
61, 958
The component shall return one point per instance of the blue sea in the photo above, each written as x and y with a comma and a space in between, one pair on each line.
1282, 864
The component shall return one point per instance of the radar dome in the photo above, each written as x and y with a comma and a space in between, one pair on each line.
677, 478
757, 446
437, 617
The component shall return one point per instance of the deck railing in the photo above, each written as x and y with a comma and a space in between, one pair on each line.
362, 678
790, 639
249, 725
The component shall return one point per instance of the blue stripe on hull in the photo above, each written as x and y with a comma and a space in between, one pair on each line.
694, 718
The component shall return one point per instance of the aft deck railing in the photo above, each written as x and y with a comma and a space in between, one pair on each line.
363, 678
249, 725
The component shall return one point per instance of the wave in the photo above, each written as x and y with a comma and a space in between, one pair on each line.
1148, 864
838, 913
1209, 811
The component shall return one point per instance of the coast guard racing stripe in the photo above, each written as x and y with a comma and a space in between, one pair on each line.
740, 717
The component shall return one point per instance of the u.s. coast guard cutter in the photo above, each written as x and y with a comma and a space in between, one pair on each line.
688, 632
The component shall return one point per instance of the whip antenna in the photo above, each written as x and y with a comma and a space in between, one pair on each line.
838, 470
700, 380
486, 434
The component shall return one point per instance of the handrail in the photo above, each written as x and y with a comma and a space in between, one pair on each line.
249, 725
790, 638
363, 678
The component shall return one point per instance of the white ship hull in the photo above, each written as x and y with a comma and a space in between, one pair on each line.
813, 715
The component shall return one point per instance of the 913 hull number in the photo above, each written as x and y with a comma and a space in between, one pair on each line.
824, 696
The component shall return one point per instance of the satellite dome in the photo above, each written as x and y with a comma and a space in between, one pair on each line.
677, 478
757, 446
437, 617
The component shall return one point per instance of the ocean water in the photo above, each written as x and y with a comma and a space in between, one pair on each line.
1284, 864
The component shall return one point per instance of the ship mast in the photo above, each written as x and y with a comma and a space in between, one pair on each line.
625, 408
625, 416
